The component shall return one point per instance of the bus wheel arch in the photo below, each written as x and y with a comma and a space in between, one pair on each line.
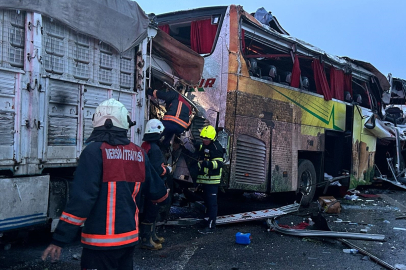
307, 180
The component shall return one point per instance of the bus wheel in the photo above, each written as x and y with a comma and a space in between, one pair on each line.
306, 181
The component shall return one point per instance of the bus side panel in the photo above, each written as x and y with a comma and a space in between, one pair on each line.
363, 150
252, 126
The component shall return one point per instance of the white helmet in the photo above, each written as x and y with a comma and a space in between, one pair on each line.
111, 109
154, 126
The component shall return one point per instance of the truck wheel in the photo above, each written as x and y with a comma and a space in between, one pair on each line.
306, 175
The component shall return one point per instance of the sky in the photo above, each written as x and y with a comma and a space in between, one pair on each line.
373, 31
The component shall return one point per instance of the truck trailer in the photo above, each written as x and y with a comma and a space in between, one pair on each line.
58, 61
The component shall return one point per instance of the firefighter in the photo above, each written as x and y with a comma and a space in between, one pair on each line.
153, 131
110, 173
176, 118
210, 165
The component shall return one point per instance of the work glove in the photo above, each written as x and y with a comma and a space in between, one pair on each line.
150, 91
169, 168
205, 164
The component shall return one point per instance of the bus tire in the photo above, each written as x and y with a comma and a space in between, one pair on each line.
306, 175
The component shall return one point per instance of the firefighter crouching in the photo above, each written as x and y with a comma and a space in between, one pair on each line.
153, 131
110, 173
210, 153
176, 118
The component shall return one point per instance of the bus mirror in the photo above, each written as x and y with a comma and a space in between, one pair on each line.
370, 123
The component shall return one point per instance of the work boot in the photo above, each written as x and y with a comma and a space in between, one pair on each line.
208, 229
146, 237
155, 238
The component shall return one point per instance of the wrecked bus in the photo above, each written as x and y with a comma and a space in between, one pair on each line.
289, 115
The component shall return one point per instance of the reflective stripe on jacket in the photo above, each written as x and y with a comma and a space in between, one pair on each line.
103, 196
211, 174
177, 108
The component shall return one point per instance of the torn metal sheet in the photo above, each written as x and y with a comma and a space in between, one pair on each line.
316, 233
383, 81
382, 129
187, 64
257, 215
395, 183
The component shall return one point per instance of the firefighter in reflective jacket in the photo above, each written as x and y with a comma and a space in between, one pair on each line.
110, 173
149, 239
210, 165
176, 118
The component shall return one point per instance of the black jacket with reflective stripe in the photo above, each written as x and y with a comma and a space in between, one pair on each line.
172, 103
115, 226
210, 171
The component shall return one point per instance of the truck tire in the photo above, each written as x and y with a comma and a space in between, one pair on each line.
306, 176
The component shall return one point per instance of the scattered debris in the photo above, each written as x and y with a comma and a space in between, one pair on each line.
350, 250
368, 195
300, 226
400, 266
351, 197
323, 221
366, 253
393, 182
330, 205
341, 221
317, 233
399, 229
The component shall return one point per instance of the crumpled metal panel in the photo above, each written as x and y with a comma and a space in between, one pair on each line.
187, 64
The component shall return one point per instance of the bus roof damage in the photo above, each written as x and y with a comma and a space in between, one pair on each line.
259, 84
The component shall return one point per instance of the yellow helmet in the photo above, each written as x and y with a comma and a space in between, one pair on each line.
208, 132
